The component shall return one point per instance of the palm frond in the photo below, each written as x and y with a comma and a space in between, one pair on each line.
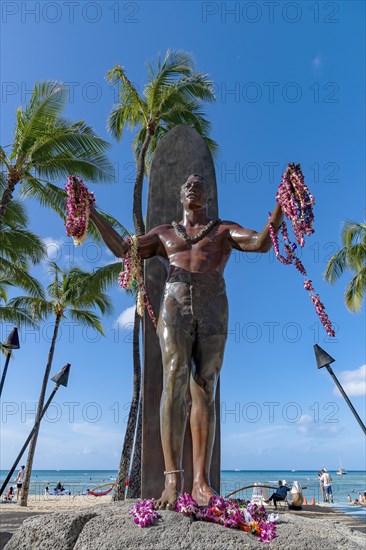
87, 318
21, 244
192, 88
351, 257
128, 95
356, 256
47, 101
107, 276
353, 231
124, 114
47, 194
37, 308
54, 289
336, 266
21, 277
4, 159
15, 215
175, 64
76, 140
355, 291
19, 317
94, 168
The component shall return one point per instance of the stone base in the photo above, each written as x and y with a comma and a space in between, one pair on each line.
111, 527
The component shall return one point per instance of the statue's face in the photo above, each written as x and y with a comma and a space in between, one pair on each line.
194, 193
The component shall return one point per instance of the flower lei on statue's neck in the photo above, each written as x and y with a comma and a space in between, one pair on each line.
131, 278
297, 203
78, 204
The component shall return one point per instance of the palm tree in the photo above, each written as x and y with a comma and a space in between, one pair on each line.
74, 294
173, 95
352, 257
46, 146
19, 248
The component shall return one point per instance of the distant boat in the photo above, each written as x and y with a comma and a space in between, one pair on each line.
341, 471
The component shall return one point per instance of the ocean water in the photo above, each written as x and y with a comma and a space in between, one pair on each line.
78, 481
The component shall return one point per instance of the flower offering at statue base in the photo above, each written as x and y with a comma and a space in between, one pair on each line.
144, 513
78, 204
297, 203
234, 514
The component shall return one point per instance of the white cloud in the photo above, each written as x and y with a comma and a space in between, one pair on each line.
54, 248
309, 427
317, 61
126, 318
353, 382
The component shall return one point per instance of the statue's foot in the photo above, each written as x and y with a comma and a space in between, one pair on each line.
168, 499
202, 493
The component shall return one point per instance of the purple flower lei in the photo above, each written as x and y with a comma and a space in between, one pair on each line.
297, 203
234, 514
144, 514
131, 277
78, 204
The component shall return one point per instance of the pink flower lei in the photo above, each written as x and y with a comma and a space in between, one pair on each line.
297, 203
234, 514
131, 277
78, 204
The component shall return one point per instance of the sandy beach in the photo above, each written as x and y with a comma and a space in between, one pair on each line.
310, 519
54, 503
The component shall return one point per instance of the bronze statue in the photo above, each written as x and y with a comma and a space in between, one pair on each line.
192, 326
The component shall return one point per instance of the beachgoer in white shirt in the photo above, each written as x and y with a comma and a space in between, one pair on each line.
327, 482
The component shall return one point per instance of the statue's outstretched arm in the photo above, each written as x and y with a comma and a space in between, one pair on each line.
248, 240
263, 240
115, 242
149, 244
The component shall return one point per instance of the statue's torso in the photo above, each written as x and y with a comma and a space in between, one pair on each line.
207, 255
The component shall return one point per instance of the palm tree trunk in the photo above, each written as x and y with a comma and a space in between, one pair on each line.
33, 443
138, 219
7, 196
133, 414
134, 486
119, 492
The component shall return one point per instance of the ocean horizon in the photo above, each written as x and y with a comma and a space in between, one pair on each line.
78, 481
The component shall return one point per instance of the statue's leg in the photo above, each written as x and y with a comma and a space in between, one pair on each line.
176, 342
208, 356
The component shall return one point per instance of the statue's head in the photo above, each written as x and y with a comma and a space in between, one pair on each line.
195, 191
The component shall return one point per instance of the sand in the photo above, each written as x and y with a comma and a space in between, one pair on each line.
54, 503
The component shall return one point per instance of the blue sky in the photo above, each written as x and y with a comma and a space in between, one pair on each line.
289, 79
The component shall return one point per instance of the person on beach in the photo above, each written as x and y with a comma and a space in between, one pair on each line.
59, 487
280, 494
10, 495
19, 480
192, 325
326, 478
321, 483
